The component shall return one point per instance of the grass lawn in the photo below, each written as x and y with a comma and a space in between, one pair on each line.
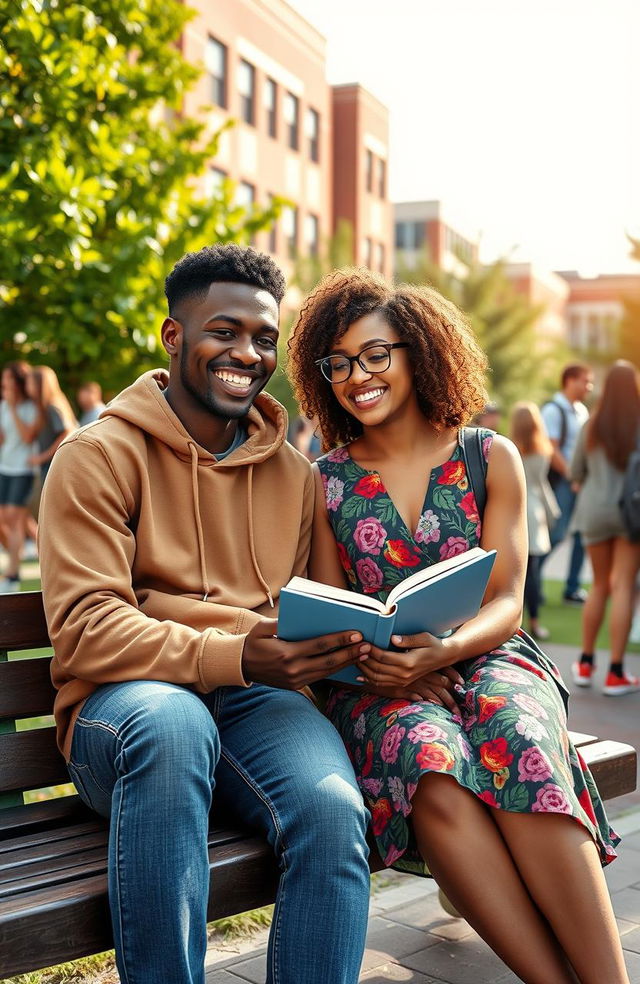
564, 621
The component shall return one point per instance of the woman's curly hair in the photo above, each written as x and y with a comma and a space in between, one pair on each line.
448, 363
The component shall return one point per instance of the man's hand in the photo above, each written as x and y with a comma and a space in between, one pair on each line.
292, 665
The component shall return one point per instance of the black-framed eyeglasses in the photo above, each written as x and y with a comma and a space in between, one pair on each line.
374, 358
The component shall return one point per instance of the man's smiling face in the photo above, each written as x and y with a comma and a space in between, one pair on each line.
225, 345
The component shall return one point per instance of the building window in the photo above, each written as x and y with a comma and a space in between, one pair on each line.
401, 235
272, 244
419, 232
290, 229
312, 234
215, 59
313, 134
368, 253
247, 90
369, 171
382, 178
291, 119
593, 331
245, 194
214, 181
271, 107
380, 257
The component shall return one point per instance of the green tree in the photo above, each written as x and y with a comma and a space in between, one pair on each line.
503, 322
98, 182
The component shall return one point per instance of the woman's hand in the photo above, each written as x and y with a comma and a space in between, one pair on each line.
436, 687
421, 654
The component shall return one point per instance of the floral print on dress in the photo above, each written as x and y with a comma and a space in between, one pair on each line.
507, 743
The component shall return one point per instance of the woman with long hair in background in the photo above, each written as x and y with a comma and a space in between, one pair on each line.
55, 416
19, 425
599, 461
530, 437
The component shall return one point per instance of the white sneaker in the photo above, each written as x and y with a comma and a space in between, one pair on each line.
9, 584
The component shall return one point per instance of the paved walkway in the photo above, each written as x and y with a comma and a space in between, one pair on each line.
412, 939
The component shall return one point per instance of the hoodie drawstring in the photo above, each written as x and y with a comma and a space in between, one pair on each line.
252, 547
196, 500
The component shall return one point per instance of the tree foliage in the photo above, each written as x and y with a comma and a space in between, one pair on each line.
504, 325
98, 182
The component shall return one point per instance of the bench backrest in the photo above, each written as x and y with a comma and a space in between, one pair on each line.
28, 759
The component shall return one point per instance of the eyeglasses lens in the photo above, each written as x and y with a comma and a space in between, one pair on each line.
338, 369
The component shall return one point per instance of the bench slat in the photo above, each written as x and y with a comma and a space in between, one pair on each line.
613, 766
22, 621
30, 759
72, 920
25, 688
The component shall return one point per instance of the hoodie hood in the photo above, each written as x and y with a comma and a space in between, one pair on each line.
145, 405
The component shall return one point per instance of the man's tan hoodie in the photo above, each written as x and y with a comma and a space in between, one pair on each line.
157, 559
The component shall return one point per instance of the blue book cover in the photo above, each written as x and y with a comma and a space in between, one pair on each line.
436, 599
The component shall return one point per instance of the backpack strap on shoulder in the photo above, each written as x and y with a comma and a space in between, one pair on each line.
471, 440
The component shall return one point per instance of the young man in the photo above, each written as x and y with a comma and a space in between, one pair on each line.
563, 417
168, 529
89, 397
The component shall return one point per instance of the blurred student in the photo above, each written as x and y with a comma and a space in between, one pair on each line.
489, 417
598, 466
304, 437
18, 430
529, 436
56, 419
563, 416
89, 397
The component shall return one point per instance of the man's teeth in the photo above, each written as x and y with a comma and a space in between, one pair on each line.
234, 378
369, 395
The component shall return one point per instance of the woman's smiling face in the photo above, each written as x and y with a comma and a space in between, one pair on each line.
374, 398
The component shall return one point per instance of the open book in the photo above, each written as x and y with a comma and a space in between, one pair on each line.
435, 599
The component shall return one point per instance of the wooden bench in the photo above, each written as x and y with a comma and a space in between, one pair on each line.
53, 853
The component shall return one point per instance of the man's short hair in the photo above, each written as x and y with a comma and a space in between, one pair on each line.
223, 263
91, 387
574, 371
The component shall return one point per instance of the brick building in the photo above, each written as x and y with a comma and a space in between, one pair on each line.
265, 67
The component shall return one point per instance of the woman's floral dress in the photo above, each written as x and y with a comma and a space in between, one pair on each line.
509, 743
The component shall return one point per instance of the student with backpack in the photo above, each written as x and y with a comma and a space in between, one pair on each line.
603, 452
563, 417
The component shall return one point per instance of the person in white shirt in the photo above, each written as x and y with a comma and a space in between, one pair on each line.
563, 417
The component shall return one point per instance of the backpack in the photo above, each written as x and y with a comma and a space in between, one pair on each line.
629, 502
554, 476
471, 441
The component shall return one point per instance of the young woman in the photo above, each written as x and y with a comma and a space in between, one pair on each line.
18, 430
55, 416
486, 789
600, 458
530, 437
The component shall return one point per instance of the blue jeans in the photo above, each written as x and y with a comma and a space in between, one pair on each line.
567, 500
148, 754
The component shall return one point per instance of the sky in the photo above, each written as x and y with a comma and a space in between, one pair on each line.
522, 116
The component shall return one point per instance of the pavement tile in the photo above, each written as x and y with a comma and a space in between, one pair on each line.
632, 961
470, 961
623, 872
222, 977
394, 972
390, 941
428, 915
626, 904
253, 970
631, 940
624, 926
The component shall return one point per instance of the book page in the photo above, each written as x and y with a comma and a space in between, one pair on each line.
314, 589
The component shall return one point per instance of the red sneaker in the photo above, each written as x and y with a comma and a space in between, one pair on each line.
615, 686
582, 673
